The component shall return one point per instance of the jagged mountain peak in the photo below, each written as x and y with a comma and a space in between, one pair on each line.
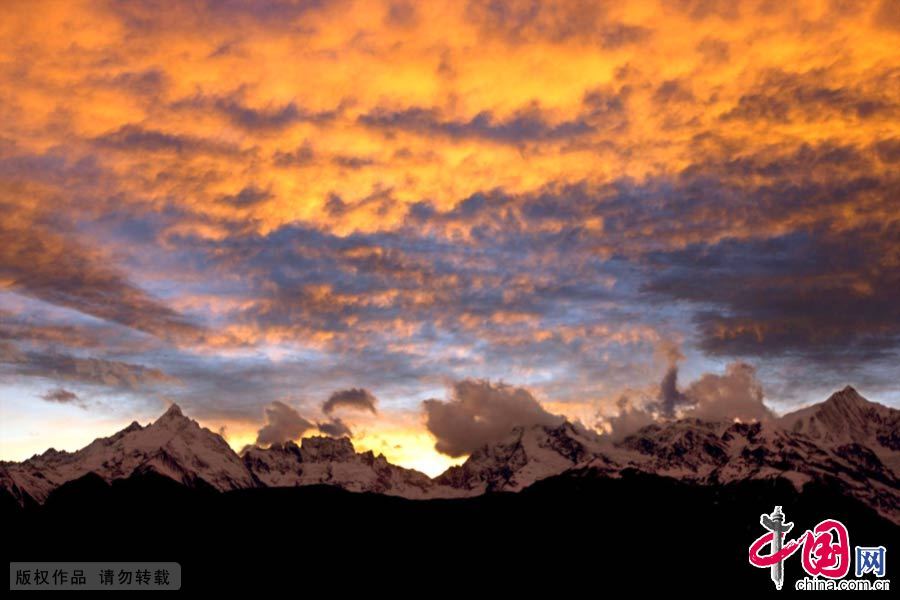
173, 413
173, 445
846, 438
524, 456
51, 452
134, 426
845, 417
334, 461
322, 448
310, 449
848, 396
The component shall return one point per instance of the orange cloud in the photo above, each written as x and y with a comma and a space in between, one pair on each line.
379, 193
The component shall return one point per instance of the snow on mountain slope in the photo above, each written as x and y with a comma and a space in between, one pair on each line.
847, 420
846, 439
846, 417
173, 445
323, 460
527, 455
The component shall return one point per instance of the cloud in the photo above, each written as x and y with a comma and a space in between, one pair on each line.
283, 423
9, 353
714, 50
96, 371
480, 413
135, 138
828, 297
269, 118
673, 91
401, 14
525, 125
38, 261
49, 334
670, 398
144, 18
62, 396
335, 428
887, 15
737, 394
111, 373
261, 118
353, 398
785, 96
629, 419
147, 84
303, 155
524, 21
267, 233
248, 197
704, 9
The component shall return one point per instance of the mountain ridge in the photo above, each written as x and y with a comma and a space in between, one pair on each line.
846, 438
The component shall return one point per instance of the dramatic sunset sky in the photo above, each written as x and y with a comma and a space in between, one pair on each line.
421, 222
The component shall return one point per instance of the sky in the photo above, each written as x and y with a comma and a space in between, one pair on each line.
422, 223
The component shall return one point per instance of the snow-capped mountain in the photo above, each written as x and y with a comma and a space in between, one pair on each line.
323, 460
527, 455
173, 445
846, 440
847, 419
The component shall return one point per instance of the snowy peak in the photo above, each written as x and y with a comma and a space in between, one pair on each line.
527, 455
173, 412
846, 417
847, 396
846, 410
173, 445
326, 449
846, 439
173, 420
689, 444
334, 461
135, 426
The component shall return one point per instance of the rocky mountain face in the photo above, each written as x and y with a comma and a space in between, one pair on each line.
846, 440
323, 460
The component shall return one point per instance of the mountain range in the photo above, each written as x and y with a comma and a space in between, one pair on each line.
847, 441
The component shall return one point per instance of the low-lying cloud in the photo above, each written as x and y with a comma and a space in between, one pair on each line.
735, 395
283, 423
335, 428
480, 412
